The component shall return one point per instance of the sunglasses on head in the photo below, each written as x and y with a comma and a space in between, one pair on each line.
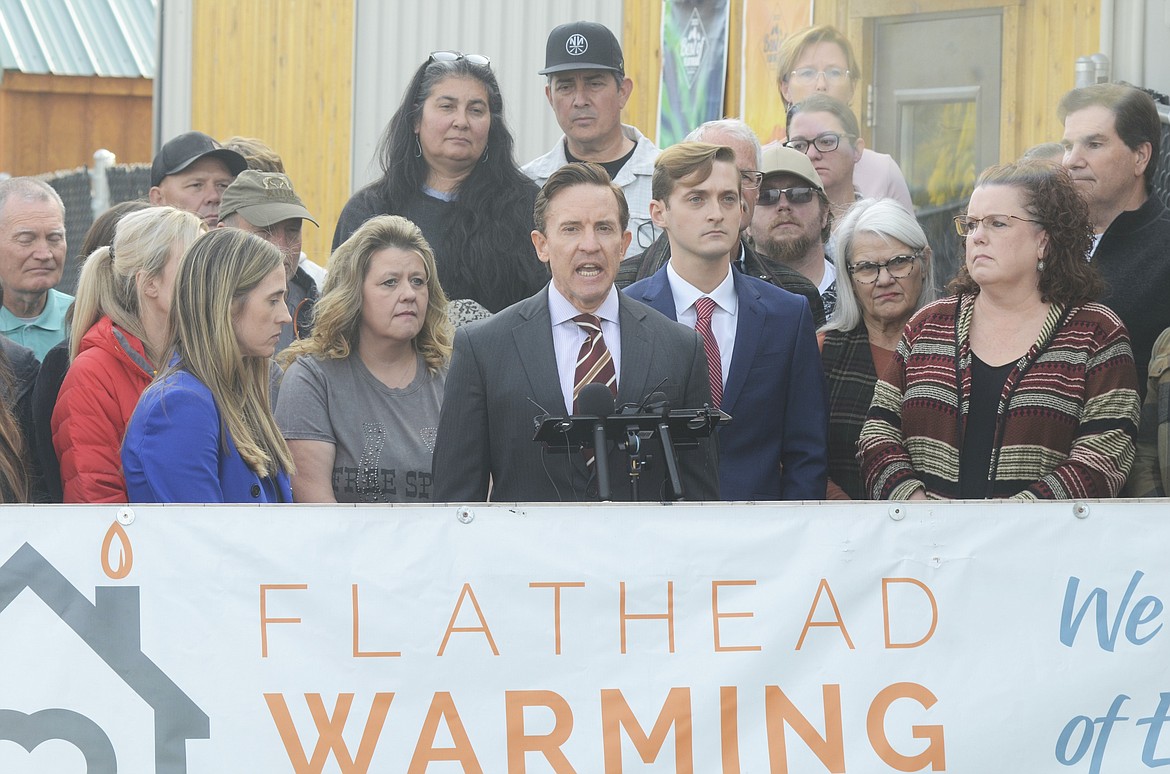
455, 56
796, 195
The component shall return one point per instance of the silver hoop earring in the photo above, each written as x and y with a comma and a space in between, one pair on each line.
484, 157
417, 147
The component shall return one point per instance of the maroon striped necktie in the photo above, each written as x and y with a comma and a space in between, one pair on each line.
704, 308
594, 362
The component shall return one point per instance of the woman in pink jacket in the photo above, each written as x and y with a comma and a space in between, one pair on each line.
119, 329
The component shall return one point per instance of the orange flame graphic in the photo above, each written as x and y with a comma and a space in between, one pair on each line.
125, 552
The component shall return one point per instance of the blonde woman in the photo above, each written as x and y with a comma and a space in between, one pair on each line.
359, 407
119, 332
203, 431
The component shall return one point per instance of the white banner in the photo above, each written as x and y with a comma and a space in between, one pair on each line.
688, 638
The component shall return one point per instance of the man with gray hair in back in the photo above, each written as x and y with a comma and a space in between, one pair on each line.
738, 136
1112, 135
32, 260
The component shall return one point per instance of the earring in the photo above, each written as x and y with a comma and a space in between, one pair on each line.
417, 147
1040, 265
484, 157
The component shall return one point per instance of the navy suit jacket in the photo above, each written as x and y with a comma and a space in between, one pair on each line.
776, 445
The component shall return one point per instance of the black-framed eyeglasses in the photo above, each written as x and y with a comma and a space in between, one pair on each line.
796, 195
992, 223
812, 74
455, 56
898, 266
825, 142
751, 178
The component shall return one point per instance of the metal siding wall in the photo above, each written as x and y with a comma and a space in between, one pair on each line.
393, 39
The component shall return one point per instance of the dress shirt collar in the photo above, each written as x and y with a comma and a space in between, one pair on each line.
561, 310
685, 294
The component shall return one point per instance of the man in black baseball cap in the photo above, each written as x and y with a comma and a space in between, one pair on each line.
191, 171
587, 88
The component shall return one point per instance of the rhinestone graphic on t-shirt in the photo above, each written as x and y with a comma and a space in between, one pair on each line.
369, 481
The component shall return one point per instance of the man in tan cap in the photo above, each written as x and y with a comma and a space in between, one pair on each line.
792, 219
265, 204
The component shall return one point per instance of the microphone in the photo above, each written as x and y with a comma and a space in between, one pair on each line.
596, 401
656, 403
654, 396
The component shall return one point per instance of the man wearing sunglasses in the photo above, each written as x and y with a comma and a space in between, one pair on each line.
587, 89
792, 220
776, 446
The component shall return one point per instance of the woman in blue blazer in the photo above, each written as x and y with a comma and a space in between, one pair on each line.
203, 432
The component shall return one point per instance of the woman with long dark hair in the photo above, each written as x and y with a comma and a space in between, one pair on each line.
447, 165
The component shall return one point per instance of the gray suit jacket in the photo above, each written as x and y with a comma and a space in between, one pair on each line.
502, 366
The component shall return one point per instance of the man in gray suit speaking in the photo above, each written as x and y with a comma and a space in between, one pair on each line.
534, 357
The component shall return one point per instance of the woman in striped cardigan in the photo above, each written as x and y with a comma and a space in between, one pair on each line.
1018, 385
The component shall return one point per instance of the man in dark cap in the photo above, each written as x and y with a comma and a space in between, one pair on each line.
587, 88
265, 204
191, 171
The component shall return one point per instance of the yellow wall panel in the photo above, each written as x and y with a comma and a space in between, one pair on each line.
642, 47
282, 72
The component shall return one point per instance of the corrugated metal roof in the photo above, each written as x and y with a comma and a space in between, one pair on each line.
113, 38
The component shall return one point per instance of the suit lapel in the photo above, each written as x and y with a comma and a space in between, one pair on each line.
749, 328
636, 351
657, 294
535, 353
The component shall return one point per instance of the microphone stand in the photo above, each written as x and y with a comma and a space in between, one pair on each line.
637, 459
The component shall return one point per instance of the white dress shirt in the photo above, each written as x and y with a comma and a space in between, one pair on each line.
723, 319
568, 338
828, 278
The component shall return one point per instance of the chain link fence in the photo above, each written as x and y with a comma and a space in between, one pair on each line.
75, 187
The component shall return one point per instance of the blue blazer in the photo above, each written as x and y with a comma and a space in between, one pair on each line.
776, 446
173, 453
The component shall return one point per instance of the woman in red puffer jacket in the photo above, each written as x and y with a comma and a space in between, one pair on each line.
118, 334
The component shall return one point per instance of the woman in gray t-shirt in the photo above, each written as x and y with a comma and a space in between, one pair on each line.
360, 402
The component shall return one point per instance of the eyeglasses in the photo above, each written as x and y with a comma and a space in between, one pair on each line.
455, 56
798, 195
825, 142
993, 223
806, 75
751, 178
897, 267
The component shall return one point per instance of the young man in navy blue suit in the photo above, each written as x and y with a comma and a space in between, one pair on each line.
760, 340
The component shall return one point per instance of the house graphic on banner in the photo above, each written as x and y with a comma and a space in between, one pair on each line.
110, 628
